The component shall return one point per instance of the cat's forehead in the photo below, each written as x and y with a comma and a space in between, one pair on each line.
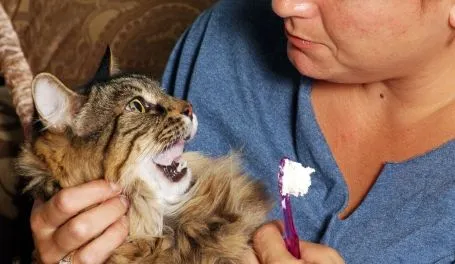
133, 85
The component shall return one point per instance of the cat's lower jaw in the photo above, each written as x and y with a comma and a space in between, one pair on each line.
153, 197
166, 190
173, 193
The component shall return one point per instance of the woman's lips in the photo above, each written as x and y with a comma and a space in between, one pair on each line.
299, 43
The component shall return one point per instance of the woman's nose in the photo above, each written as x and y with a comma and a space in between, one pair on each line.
295, 8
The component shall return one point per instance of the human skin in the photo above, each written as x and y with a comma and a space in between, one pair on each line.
384, 81
365, 41
270, 248
64, 224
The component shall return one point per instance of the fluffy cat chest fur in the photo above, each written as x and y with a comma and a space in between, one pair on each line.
212, 223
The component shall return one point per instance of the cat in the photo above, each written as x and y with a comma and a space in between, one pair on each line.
184, 207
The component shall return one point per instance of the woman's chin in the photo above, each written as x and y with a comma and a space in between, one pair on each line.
312, 64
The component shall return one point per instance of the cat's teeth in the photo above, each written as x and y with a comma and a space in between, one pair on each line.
181, 166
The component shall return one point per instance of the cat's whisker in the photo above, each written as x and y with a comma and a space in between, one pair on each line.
35, 121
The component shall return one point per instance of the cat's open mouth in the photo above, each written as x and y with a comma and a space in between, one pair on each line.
170, 162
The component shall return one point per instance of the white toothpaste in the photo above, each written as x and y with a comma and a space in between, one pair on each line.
296, 178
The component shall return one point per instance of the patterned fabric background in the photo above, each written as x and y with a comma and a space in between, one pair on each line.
68, 37
10, 137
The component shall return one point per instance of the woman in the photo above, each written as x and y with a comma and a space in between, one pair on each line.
375, 120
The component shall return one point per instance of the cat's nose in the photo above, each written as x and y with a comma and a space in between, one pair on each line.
188, 111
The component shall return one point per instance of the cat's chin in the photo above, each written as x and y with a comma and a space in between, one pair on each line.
165, 189
167, 174
173, 191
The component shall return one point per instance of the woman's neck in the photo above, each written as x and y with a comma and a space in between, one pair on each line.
418, 95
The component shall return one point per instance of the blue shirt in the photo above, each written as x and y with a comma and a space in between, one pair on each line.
232, 65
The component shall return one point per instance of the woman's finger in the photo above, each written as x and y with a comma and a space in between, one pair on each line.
70, 201
269, 245
89, 224
250, 258
101, 248
317, 253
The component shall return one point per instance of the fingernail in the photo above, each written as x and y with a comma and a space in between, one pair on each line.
125, 201
115, 187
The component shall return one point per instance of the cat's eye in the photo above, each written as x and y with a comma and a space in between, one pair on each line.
136, 105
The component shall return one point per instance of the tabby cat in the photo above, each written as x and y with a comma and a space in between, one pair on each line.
184, 207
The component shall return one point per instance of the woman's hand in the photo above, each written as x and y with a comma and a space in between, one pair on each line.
62, 225
269, 248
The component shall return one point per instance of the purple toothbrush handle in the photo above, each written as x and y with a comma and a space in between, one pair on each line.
291, 238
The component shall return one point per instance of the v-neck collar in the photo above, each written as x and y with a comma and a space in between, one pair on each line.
309, 128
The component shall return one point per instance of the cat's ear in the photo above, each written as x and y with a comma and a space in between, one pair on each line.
55, 103
108, 66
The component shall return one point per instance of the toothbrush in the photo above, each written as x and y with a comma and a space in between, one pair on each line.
293, 179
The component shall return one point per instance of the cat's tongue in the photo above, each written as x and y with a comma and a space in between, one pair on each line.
172, 154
